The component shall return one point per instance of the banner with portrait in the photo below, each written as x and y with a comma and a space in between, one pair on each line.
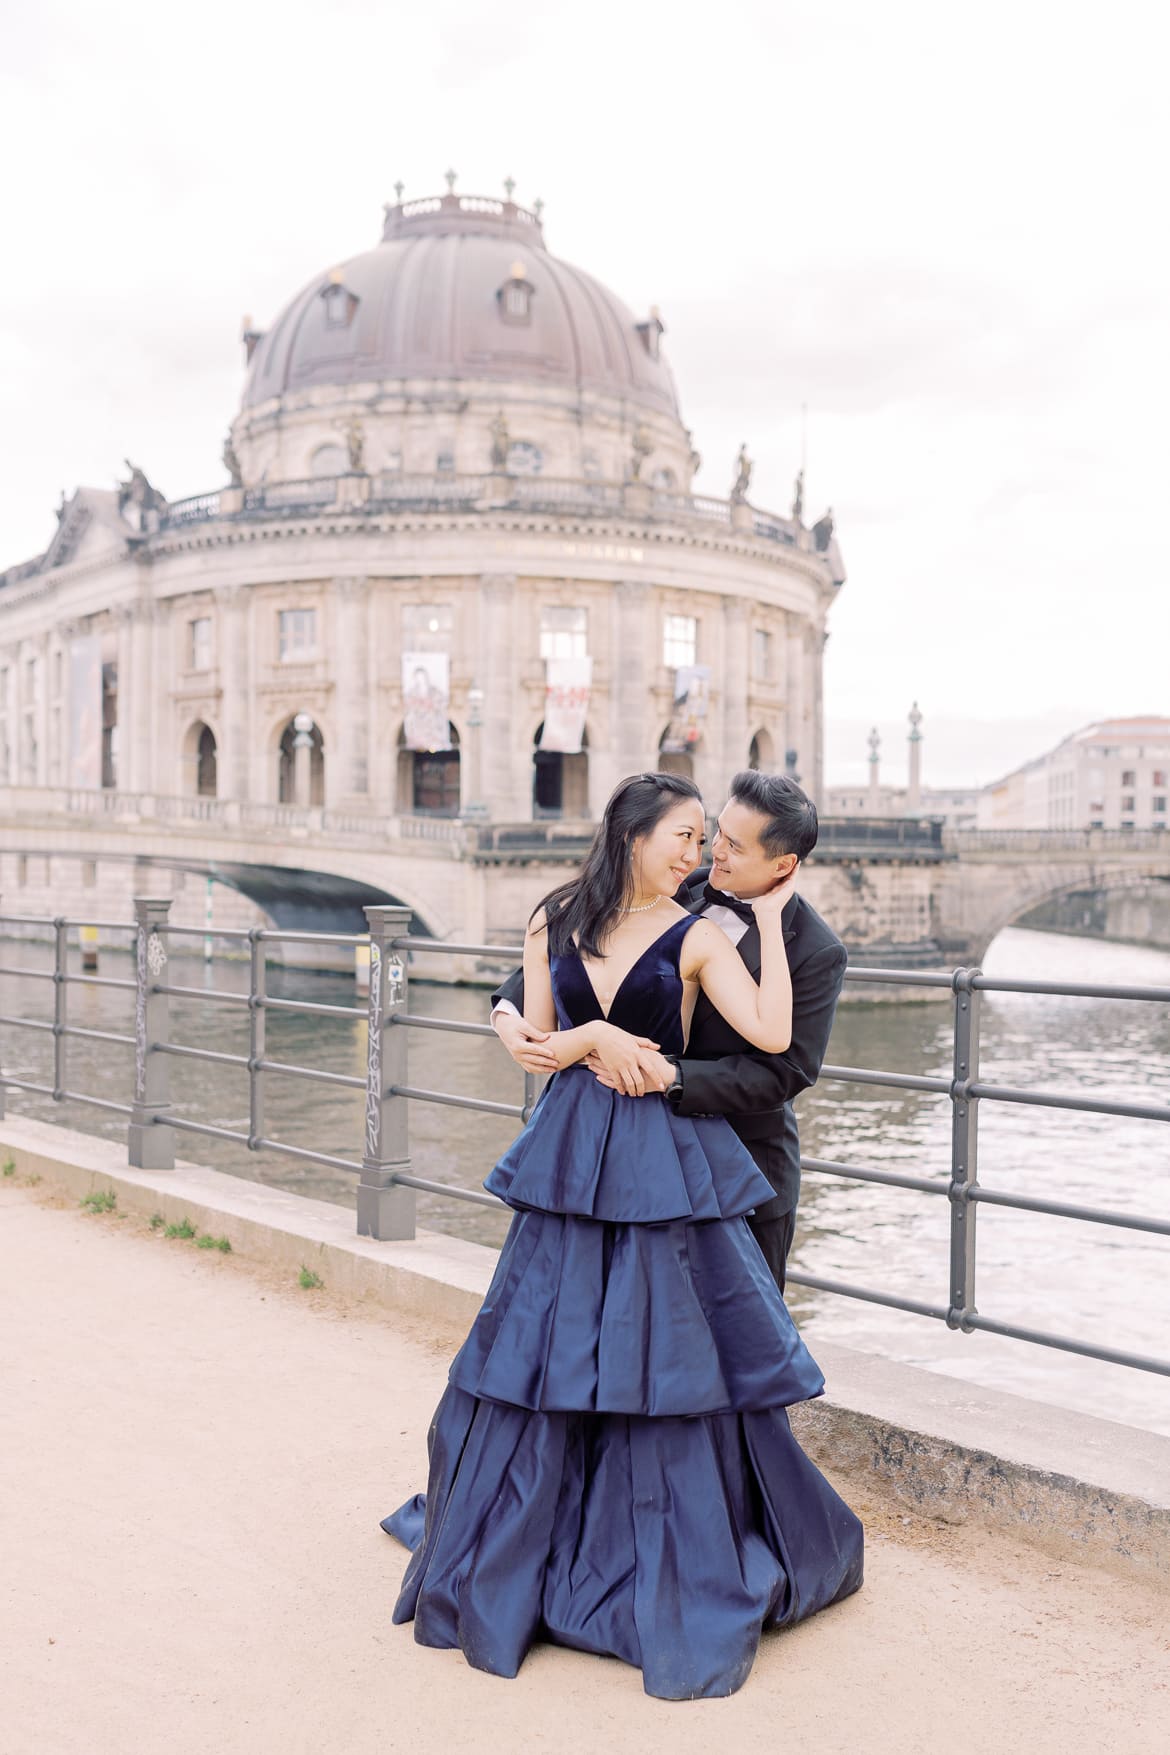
85, 712
566, 702
426, 700
692, 687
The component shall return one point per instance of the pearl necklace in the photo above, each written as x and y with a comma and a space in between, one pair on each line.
644, 907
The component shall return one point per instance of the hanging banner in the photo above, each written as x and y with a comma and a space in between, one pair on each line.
85, 712
566, 701
692, 684
426, 698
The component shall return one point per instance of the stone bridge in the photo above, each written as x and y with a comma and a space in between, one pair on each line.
900, 892
994, 877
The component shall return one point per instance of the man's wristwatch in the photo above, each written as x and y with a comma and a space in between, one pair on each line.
674, 1090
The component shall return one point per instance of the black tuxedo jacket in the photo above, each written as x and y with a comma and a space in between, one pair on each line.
722, 1074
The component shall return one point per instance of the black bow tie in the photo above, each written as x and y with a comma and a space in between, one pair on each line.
713, 898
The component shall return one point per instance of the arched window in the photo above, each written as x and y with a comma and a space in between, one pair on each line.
560, 783
329, 460
514, 297
201, 761
676, 761
429, 780
762, 752
301, 762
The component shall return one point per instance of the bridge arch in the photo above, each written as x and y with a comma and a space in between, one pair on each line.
985, 896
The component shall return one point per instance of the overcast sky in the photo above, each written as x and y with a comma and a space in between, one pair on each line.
942, 229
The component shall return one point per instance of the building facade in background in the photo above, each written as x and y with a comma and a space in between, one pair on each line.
1111, 775
458, 567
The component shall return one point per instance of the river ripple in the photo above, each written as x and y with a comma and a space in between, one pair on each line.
1076, 1279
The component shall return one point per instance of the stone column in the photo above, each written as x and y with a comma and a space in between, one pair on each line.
348, 777
794, 661
231, 656
631, 737
819, 641
507, 761
130, 688
874, 795
736, 730
141, 756
914, 789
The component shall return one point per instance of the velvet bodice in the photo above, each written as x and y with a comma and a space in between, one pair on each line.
649, 1000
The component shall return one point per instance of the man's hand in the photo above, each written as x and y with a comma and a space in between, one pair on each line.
525, 1043
657, 1072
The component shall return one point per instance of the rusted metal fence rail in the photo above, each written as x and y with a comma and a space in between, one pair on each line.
386, 1187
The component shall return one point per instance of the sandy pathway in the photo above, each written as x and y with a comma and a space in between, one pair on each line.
194, 1461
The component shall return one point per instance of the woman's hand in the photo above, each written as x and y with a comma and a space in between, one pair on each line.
528, 1046
618, 1053
769, 907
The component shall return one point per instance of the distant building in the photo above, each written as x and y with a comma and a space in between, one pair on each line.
955, 806
459, 471
1111, 775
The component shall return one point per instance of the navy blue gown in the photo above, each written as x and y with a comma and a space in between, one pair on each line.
611, 1465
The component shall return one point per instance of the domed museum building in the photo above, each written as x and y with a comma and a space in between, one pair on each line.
456, 587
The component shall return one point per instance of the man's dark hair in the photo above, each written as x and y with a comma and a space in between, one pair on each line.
792, 816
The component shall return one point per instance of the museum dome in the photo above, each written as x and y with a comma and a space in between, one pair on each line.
461, 287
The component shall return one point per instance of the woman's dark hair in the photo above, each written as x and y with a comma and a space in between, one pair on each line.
582, 911
792, 816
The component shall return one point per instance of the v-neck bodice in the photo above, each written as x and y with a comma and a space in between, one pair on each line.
648, 1001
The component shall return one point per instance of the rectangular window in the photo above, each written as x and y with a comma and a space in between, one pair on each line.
1127, 802
1159, 807
427, 627
298, 633
563, 632
680, 640
1128, 778
761, 655
199, 643
1158, 777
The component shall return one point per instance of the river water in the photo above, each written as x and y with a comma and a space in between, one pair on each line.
1076, 1279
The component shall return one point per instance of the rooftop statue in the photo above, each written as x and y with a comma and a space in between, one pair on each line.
822, 532
743, 465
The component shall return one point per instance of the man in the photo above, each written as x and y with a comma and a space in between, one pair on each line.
766, 828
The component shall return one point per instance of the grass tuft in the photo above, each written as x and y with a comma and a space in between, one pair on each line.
308, 1280
104, 1201
10, 1167
184, 1228
206, 1241
157, 1221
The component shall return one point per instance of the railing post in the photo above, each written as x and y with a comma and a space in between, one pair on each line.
257, 1037
385, 1210
151, 1145
964, 1149
60, 1006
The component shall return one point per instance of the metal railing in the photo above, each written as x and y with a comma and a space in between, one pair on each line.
386, 1186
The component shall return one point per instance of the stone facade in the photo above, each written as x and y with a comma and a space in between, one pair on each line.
454, 432
1112, 775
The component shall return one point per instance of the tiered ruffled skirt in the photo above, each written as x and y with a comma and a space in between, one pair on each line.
611, 1466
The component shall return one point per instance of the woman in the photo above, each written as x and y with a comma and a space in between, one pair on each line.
611, 1465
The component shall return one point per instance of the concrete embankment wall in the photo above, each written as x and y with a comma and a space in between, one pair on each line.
1077, 1487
